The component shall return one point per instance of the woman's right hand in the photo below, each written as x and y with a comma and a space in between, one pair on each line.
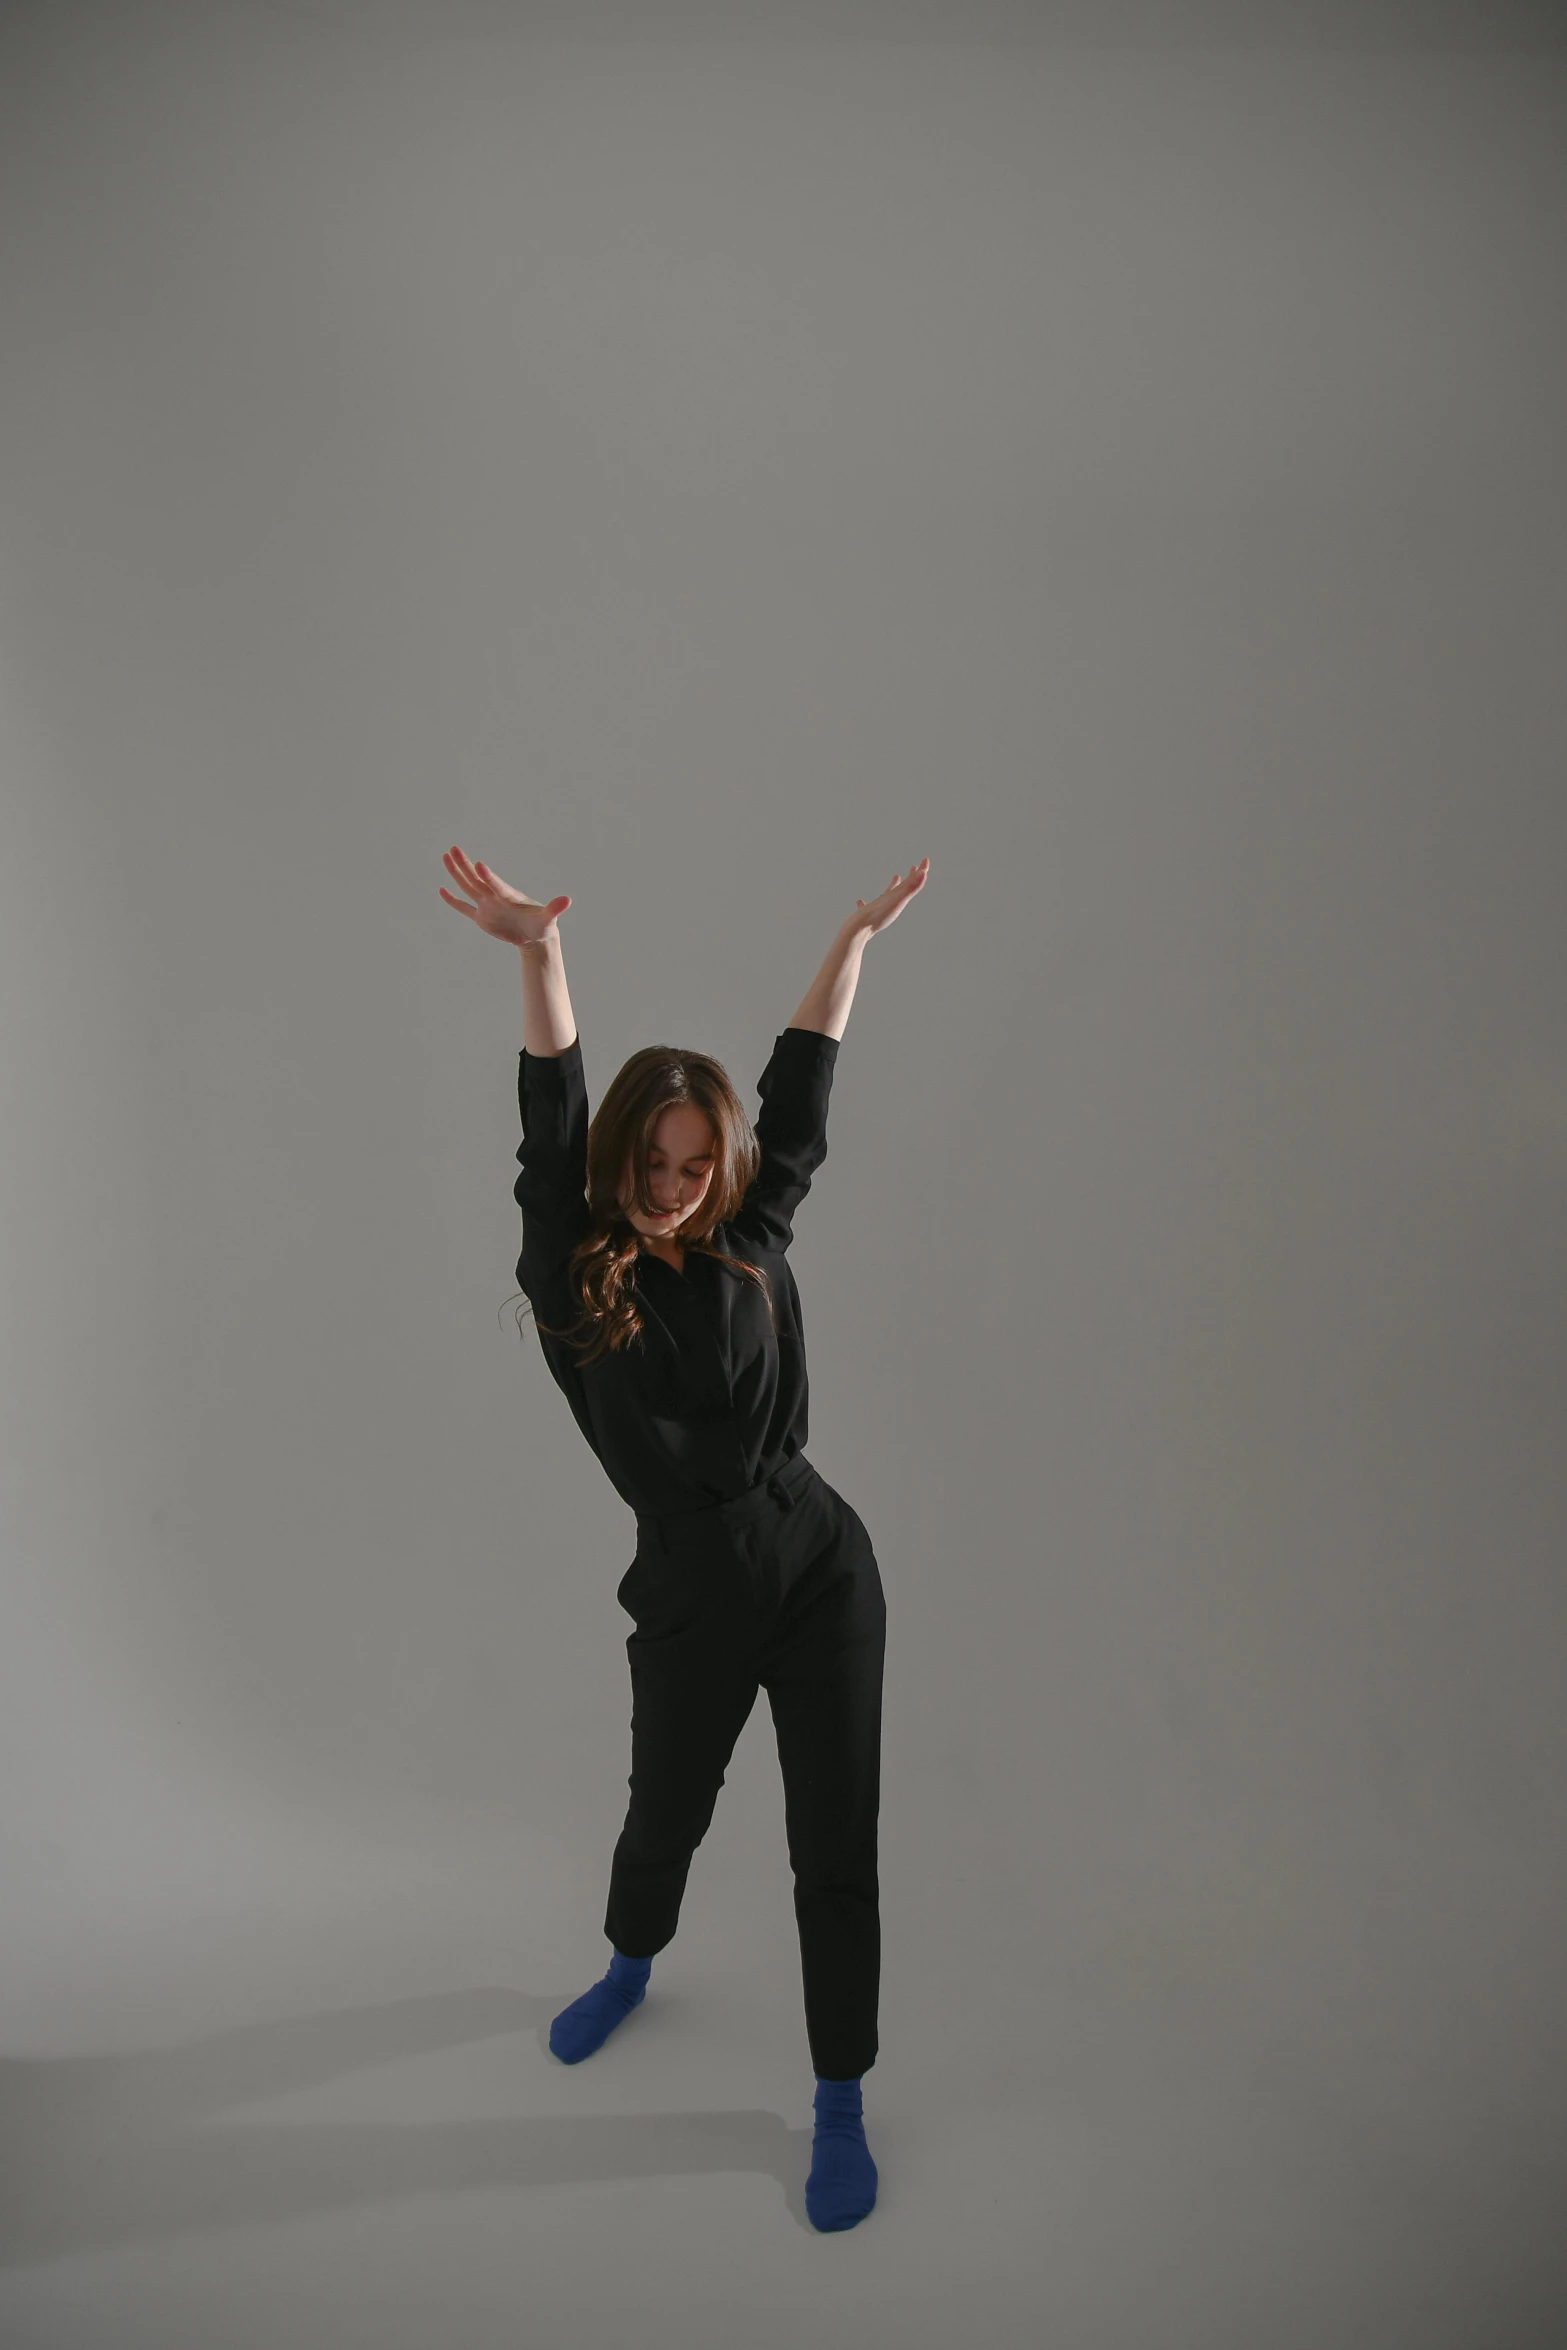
500, 910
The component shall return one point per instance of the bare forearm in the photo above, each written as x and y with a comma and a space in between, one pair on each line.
548, 1022
825, 1005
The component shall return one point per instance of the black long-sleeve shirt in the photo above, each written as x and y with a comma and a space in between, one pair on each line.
714, 1400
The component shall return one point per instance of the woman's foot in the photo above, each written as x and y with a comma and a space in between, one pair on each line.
842, 2186
587, 2023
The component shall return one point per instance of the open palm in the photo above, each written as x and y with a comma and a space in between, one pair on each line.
880, 911
498, 909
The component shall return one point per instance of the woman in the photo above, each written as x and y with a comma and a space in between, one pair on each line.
654, 1239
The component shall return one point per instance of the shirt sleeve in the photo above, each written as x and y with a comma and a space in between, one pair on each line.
552, 1096
791, 1127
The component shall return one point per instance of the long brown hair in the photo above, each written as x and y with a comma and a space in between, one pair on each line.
620, 1135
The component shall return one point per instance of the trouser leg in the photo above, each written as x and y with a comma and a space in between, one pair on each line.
689, 1705
825, 1691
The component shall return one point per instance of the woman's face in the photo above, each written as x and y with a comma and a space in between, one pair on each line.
680, 1168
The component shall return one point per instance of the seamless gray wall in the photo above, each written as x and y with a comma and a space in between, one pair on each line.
703, 464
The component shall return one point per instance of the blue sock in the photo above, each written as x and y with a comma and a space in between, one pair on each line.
587, 2023
842, 2186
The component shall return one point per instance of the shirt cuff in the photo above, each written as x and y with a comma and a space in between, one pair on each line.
549, 1060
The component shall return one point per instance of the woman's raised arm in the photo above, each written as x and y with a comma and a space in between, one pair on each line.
825, 1006
548, 1024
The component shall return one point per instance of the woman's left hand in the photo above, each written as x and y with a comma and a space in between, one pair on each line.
880, 911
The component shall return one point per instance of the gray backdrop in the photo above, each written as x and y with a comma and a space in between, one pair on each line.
705, 459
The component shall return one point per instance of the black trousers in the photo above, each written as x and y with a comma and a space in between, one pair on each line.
778, 1590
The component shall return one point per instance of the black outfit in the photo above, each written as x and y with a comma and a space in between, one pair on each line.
751, 1571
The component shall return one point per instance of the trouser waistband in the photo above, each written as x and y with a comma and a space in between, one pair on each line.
781, 1490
